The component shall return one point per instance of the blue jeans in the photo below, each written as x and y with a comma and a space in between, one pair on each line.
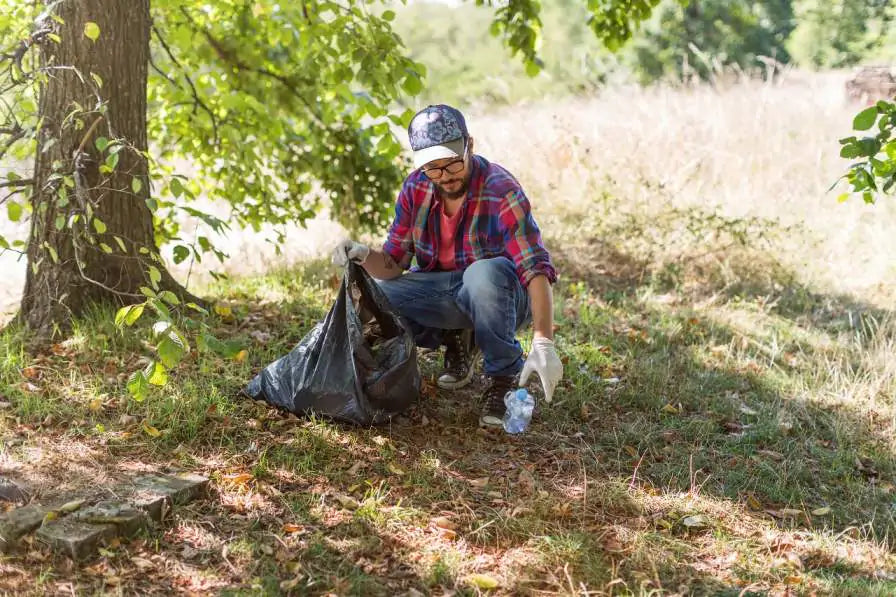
487, 297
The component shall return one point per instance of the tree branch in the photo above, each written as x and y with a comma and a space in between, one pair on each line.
196, 99
21, 182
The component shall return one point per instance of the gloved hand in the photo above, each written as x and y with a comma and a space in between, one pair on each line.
348, 250
543, 360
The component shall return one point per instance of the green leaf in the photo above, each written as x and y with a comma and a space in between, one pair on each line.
106, 249
14, 211
532, 68
99, 226
171, 350
91, 30
412, 84
388, 15
101, 143
169, 297
865, 119
121, 244
129, 314
176, 187
155, 276
136, 185
112, 161
138, 385
156, 374
180, 253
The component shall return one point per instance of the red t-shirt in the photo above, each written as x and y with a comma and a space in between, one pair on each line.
447, 228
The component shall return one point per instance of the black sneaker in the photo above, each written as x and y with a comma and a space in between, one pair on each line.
493, 408
460, 356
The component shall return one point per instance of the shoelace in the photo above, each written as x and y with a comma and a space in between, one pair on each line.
458, 356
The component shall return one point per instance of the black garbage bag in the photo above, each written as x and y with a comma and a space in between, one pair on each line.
358, 365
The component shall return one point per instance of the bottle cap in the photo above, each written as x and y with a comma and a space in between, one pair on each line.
521, 394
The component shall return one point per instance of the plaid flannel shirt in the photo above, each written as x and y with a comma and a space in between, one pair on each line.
496, 222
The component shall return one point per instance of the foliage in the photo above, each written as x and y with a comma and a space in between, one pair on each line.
839, 33
876, 170
705, 35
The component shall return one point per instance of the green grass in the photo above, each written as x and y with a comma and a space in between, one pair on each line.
746, 412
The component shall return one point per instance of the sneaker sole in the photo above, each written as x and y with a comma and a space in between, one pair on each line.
455, 384
490, 422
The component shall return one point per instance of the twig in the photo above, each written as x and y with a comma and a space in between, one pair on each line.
87, 135
21, 182
631, 485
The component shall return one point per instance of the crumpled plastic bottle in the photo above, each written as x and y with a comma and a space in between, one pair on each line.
520, 404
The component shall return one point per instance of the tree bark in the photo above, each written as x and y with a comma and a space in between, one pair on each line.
91, 234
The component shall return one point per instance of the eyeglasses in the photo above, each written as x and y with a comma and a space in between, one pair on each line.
451, 168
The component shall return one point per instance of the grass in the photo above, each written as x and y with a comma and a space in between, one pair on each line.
724, 427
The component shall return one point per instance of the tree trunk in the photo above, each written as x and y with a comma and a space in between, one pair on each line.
92, 231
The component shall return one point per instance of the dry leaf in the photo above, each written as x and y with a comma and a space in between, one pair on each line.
150, 430
290, 527
631, 451
790, 512
288, 585
356, 468
241, 356
481, 482
669, 409
394, 469
347, 501
443, 522
695, 522
753, 503
95, 405
771, 454
748, 411
70, 506
447, 533
237, 478
821, 511
30, 373
483, 581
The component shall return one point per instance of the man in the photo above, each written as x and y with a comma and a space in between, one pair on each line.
481, 270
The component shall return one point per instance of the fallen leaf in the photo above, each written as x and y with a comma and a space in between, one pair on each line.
347, 502
443, 522
290, 527
771, 454
753, 503
631, 451
241, 356
50, 516
447, 533
790, 512
237, 478
95, 405
824, 511
395, 469
70, 506
483, 581
288, 585
695, 522
356, 468
150, 430
481, 482
669, 409
748, 411
30, 373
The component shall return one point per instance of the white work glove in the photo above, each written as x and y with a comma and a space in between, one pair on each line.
543, 360
348, 250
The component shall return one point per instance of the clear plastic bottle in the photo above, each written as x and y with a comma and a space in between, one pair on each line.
520, 405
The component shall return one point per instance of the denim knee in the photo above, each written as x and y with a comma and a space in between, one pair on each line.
487, 279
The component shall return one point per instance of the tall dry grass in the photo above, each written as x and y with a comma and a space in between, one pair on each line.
758, 149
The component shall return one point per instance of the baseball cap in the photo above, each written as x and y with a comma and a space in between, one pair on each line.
437, 132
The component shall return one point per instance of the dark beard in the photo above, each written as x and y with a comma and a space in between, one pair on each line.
446, 194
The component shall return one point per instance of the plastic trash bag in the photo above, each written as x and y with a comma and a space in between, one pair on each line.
358, 365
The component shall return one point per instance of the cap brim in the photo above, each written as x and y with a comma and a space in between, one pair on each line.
452, 149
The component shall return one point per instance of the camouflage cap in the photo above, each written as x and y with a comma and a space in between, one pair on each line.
437, 132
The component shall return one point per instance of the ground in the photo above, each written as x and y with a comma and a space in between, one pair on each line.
725, 425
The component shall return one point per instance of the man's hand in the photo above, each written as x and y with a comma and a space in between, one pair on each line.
543, 360
348, 250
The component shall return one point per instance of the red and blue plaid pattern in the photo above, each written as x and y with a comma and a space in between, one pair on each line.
497, 222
